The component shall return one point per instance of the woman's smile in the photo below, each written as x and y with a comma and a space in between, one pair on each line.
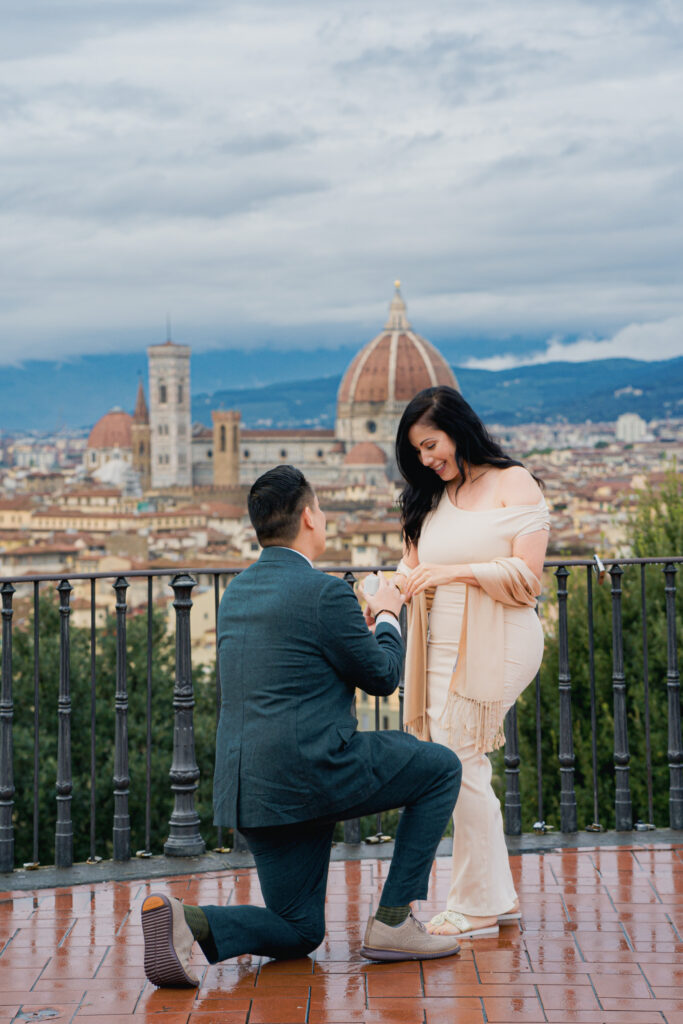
434, 449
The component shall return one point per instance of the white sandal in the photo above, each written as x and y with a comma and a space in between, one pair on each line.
515, 915
459, 921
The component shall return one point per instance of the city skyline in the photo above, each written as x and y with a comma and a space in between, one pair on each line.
262, 175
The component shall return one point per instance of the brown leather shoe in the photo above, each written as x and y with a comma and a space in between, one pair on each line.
168, 943
407, 941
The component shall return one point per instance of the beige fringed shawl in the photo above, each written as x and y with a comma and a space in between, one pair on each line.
476, 687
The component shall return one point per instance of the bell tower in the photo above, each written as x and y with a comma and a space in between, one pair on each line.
170, 422
140, 439
226, 447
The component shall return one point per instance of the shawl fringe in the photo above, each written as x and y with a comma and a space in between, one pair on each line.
481, 721
416, 727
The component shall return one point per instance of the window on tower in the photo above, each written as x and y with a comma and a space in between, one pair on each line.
180, 394
162, 394
222, 437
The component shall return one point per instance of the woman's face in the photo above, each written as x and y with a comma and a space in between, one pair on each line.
435, 449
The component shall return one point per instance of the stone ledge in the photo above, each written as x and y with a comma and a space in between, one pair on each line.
144, 868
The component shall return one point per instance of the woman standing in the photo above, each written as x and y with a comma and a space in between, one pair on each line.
475, 528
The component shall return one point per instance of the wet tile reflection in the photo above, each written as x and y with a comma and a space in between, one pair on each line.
601, 940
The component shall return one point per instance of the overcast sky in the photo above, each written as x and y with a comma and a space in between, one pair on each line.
262, 171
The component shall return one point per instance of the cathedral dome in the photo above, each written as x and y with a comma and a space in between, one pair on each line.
113, 430
365, 453
384, 376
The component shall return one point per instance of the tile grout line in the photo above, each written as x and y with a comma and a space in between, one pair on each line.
640, 968
540, 1003
676, 931
595, 993
608, 894
126, 917
476, 967
40, 974
576, 943
103, 958
627, 936
659, 898
10, 940
67, 933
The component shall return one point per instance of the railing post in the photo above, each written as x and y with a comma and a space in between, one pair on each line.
64, 833
36, 724
566, 745
352, 826
623, 813
184, 839
121, 828
675, 751
513, 803
6, 739
595, 825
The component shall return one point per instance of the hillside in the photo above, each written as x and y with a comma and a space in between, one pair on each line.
44, 396
575, 392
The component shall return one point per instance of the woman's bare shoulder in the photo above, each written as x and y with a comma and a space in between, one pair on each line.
516, 486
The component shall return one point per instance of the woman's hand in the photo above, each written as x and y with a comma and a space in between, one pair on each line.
428, 574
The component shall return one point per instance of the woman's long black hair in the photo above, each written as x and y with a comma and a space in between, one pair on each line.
446, 409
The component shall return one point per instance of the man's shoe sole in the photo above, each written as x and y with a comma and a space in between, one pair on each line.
392, 955
162, 966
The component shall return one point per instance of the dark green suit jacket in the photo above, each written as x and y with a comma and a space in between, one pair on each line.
293, 645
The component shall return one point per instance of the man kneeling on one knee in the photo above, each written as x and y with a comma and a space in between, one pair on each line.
293, 646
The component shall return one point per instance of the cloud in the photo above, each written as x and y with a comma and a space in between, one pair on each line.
254, 166
647, 341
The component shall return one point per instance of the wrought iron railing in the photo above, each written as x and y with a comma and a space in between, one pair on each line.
184, 835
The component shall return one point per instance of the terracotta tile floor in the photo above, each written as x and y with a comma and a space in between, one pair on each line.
601, 941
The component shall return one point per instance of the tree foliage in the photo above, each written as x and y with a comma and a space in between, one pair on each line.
162, 683
655, 530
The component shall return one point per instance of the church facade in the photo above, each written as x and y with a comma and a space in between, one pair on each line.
167, 451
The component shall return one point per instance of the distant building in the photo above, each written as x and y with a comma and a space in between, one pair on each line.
631, 427
110, 439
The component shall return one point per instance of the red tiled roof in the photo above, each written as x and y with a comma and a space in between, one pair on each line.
112, 431
365, 453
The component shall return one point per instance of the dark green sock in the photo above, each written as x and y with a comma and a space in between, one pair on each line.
392, 915
197, 921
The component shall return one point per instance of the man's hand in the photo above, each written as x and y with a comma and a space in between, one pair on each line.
386, 598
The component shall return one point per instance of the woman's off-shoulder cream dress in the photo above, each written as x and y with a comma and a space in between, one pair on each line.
481, 882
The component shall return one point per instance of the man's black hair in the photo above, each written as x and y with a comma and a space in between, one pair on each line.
276, 501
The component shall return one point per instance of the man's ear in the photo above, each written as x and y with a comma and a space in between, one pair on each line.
307, 518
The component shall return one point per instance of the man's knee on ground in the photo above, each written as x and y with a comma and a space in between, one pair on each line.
310, 938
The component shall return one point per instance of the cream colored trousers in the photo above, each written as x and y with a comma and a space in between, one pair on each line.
481, 880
